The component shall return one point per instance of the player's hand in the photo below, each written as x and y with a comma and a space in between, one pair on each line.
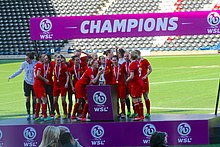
46, 81
73, 89
100, 71
66, 85
9, 79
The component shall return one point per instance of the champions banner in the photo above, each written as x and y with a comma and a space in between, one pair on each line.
125, 25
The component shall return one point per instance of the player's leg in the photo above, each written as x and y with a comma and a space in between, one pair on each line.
27, 97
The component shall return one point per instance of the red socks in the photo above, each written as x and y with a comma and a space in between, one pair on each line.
85, 110
44, 110
75, 109
37, 110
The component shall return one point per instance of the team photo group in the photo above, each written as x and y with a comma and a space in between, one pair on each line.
47, 79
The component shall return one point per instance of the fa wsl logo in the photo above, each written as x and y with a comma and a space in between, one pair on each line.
46, 26
148, 130
184, 130
30, 134
100, 99
97, 132
213, 20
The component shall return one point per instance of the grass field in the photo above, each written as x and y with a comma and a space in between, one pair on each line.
178, 85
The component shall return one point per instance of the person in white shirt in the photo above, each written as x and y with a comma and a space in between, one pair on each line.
28, 66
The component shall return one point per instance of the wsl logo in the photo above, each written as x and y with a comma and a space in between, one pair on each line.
148, 130
100, 99
97, 132
30, 134
213, 19
184, 130
46, 26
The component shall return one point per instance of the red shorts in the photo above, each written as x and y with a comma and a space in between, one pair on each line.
121, 91
146, 87
136, 90
59, 90
39, 91
80, 91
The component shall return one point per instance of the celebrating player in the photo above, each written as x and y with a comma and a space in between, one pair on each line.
87, 78
145, 69
119, 75
135, 86
61, 79
39, 89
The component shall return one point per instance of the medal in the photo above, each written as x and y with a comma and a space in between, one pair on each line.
117, 74
57, 74
46, 69
77, 74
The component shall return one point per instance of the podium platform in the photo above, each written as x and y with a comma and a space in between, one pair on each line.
182, 129
102, 102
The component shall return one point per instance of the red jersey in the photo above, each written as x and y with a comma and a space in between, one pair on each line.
71, 63
48, 72
134, 67
108, 72
144, 64
77, 72
60, 75
38, 67
82, 61
119, 74
86, 77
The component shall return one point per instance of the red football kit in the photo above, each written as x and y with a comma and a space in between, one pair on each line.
136, 83
76, 72
48, 72
108, 72
80, 86
60, 80
143, 67
38, 83
119, 75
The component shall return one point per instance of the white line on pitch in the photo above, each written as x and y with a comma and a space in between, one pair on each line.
163, 108
181, 81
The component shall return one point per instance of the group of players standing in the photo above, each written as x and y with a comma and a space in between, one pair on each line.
57, 78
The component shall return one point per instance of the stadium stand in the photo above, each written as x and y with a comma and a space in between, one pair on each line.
15, 33
14, 26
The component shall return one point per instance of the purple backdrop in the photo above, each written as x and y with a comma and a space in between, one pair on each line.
112, 133
125, 25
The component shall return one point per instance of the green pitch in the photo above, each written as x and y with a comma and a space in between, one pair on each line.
178, 85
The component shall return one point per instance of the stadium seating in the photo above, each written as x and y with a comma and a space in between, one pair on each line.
15, 33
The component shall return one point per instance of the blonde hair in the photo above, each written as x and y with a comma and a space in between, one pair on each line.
50, 137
